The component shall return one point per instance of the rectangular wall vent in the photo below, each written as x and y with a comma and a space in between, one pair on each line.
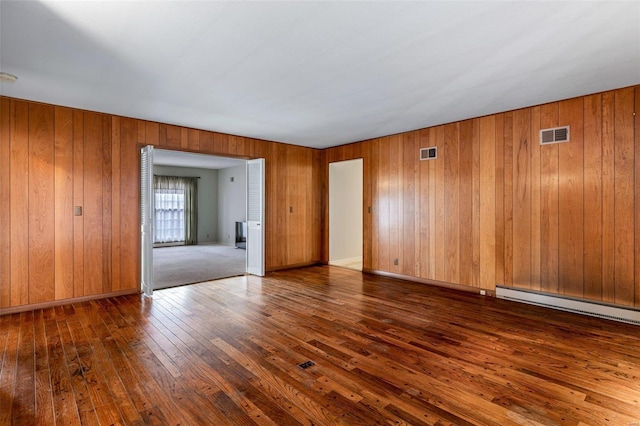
554, 135
429, 153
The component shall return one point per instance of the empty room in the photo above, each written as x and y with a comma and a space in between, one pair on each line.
435, 207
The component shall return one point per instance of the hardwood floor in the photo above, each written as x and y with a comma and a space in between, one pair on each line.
385, 352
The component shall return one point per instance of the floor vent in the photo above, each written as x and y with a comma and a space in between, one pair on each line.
430, 153
554, 135
306, 364
594, 309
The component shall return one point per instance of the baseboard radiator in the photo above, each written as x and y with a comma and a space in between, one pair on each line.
569, 304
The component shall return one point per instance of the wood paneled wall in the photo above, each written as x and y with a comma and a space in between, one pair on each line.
495, 207
54, 158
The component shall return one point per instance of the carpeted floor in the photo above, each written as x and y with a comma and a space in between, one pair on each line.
173, 266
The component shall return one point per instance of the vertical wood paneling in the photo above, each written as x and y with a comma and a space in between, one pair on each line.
107, 202
593, 208
173, 137
417, 218
41, 204
510, 211
152, 132
549, 204
78, 200
507, 137
93, 206
151, 138
97, 168
375, 203
206, 143
451, 203
271, 187
63, 144
423, 218
408, 211
384, 225
636, 115
535, 198
487, 211
281, 169
475, 213
436, 135
395, 203
220, 143
608, 197
521, 216
194, 139
495, 207
317, 207
465, 203
162, 135
624, 197
571, 204
184, 138
142, 132
129, 196
499, 128
5, 201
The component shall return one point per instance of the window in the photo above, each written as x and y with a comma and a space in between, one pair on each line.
175, 209
169, 216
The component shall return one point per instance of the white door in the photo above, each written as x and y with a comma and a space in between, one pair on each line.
146, 218
255, 217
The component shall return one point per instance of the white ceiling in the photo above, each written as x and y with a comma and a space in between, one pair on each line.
315, 73
163, 157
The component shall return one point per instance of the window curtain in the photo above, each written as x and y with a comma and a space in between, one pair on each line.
176, 209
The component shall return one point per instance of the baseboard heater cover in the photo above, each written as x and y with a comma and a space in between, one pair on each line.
563, 303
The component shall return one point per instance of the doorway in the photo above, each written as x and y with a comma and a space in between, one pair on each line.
345, 213
221, 207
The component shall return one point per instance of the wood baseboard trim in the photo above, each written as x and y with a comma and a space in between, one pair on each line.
294, 266
444, 284
44, 305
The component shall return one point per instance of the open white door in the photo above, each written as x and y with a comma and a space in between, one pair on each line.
146, 218
255, 217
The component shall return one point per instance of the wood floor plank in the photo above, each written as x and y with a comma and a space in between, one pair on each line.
24, 401
10, 327
385, 351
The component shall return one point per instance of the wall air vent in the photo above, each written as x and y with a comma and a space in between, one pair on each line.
430, 153
554, 135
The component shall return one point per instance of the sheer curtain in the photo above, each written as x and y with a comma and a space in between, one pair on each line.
176, 209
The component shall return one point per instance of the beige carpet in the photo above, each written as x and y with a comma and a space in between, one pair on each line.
178, 265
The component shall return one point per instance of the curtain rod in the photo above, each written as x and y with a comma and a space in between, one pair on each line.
197, 177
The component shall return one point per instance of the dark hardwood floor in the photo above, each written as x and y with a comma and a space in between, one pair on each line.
385, 352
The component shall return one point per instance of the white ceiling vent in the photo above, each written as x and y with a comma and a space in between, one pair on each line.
430, 153
554, 135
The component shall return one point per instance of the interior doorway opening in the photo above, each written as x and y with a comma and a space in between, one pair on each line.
213, 218
345, 213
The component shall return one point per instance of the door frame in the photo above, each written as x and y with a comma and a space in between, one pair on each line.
146, 229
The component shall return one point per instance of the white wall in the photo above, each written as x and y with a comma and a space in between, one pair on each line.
232, 200
207, 198
345, 210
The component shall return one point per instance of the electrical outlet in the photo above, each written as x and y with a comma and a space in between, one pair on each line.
483, 293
